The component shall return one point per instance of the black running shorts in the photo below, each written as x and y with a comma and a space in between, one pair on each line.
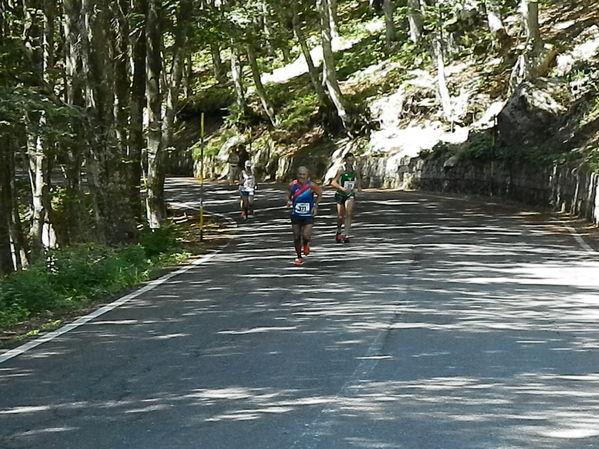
302, 221
341, 199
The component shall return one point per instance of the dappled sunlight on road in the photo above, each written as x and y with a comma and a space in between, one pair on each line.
478, 328
527, 410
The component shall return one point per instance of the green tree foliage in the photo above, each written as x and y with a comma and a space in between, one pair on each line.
74, 89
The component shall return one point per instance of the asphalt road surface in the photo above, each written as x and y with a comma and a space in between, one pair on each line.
445, 324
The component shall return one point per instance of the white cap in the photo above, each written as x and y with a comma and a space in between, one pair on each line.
248, 163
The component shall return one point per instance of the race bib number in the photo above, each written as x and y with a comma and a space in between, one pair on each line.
349, 185
250, 183
302, 208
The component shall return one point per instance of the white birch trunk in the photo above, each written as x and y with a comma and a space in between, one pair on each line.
333, 19
41, 232
494, 20
415, 20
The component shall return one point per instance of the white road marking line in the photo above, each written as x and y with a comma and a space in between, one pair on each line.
578, 238
325, 419
108, 307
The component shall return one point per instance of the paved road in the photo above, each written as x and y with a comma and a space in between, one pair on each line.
446, 324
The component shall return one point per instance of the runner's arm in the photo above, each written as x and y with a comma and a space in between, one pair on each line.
358, 181
317, 190
335, 181
288, 196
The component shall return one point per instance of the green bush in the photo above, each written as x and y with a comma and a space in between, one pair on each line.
76, 267
70, 277
87, 271
300, 112
592, 158
480, 147
158, 241
25, 294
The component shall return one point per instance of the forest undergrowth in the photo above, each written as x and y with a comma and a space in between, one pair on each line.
72, 282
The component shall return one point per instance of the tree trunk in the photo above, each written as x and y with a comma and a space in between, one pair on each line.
236, 76
330, 74
175, 80
496, 26
155, 203
30, 31
17, 239
6, 259
283, 25
256, 75
49, 17
120, 36
267, 29
531, 59
75, 228
333, 19
42, 235
72, 33
138, 98
415, 20
530, 19
219, 70
49, 232
312, 71
186, 89
390, 35
104, 161
445, 96
4, 25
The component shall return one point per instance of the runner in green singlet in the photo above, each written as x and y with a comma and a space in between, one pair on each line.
347, 181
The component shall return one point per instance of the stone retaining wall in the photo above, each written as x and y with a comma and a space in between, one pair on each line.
567, 189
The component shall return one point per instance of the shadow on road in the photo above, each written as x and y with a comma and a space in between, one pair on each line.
442, 325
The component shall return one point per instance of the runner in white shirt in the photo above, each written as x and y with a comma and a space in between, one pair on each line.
247, 189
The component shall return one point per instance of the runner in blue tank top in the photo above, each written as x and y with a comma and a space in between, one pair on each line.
303, 197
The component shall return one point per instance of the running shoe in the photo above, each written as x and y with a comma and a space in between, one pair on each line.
346, 239
306, 249
299, 261
338, 237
